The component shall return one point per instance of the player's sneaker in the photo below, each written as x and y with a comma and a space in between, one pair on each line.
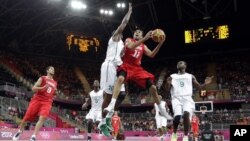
105, 130
33, 138
109, 108
185, 138
108, 123
174, 137
16, 136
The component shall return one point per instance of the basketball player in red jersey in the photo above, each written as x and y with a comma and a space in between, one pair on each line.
131, 68
116, 121
195, 126
40, 104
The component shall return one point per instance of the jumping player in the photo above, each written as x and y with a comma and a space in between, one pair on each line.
40, 104
95, 113
181, 88
109, 69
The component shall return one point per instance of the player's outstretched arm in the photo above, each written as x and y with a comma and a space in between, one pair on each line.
132, 45
208, 80
37, 87
123, 24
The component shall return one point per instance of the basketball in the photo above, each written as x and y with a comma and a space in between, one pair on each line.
158, 35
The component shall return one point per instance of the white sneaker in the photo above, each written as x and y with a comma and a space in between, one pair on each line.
32, 138
109, 108
185, 138
16, 136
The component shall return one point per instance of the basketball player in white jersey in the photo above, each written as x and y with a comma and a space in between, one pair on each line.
181, 88
108, 71
95, 113
161, 121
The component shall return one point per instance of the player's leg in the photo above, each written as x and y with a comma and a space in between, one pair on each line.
44, 111
117, 88
30, 115
177, 109
90, 125
188, 108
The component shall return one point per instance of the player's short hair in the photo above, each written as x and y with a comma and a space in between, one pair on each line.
47, 68
140, 30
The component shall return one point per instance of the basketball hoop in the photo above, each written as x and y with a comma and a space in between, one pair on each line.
203, 109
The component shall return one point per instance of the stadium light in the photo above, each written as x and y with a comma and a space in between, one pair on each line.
121, 5
109, 12
75, 4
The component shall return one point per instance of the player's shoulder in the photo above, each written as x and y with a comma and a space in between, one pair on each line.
173, 75
129, 39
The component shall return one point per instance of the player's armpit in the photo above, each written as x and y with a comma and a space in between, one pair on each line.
128, 42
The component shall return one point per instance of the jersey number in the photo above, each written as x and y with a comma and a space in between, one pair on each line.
182, 84
49, 89
136, 54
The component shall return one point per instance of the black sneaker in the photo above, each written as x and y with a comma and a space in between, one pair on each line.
89, 138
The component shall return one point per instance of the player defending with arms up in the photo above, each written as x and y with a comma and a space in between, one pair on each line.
40, 104
109, 69
181, 88
95, 113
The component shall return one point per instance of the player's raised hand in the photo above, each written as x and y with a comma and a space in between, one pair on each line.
130, 7
208, 80
148, 35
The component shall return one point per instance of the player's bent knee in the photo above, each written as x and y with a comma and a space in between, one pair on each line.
177, 119
120, 79
186, 114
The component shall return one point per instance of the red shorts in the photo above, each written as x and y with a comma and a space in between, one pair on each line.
136, 74
116, 129
195, 130
36, 108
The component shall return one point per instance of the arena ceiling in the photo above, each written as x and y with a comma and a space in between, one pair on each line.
42, 24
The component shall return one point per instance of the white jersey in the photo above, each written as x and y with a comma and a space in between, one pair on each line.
157, 111
96, 100
114, 51
182, 85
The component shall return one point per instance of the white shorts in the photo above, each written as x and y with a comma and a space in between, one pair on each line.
181, 104
108, 77
95, 115
160, 121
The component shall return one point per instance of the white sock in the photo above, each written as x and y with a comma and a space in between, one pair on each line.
19, 131
103, 120
112, 103
89, 134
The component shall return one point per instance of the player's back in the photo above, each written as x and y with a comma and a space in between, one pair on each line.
47, 94
133, 57
96, 100
182, 85
114, 50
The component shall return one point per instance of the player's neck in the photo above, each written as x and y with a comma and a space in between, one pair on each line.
181, 72
49, 76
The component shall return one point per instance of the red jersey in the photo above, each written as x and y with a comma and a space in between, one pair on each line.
133, 57
47, 94
116, 121
195, 121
